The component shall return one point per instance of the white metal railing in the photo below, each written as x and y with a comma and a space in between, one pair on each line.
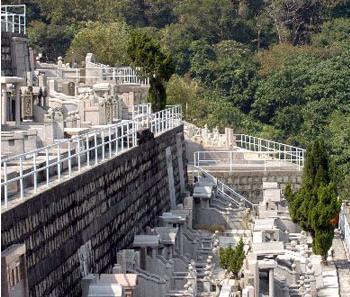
225, 191
164, 119
65, 157
120, 75
243, 160
129, 76
142, 113
283, 151
344, 224
13, 18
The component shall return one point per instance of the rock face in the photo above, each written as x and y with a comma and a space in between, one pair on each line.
98, 212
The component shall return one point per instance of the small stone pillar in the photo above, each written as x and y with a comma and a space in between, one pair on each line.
42, 81
4, 102
180, 239
69, 120
170, 251
78, 120
154, 252
271, 283
18, 105
59, 127
169, 268
59, 62
230, 138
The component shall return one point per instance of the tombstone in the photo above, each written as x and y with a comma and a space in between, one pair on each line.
71, 88
85, 258
68, 88
108, 110
14, 281
53, 125
27, 103
127, 259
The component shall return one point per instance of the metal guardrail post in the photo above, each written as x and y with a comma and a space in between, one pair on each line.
47, 167
69, 159
122, 137
127, 136
6, 22
116, 139
78, 148
110, 142
103, 145
5, 183
58, 162
95, 142
35, 173
21, 177
87, 151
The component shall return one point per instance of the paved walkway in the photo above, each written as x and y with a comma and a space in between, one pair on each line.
342, 263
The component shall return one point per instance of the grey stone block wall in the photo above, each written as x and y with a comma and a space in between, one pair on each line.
107, 204
249, 184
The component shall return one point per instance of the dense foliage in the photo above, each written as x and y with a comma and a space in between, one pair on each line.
315, 206
276, 69
232, 259
155, 63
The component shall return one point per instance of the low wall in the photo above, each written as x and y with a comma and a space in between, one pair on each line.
77, 226
249, 184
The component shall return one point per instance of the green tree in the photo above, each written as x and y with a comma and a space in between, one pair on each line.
295, 20
43, 39
177, 38
107, 41
334, 32
214, 20
338, 135
232, 259
146, 53
316, 204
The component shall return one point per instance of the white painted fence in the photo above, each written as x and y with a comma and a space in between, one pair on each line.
244, 160
344, 224
68, 156
284, 151
129, 76
13, 18
104, 73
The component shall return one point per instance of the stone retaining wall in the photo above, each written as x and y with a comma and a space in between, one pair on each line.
101, 209
249, 184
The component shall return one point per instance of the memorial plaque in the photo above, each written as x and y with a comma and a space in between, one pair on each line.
71, 88
27, 104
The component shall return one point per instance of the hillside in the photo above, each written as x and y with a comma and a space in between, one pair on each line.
277, 69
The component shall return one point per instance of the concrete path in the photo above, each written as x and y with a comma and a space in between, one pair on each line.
342, 263
330, 287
